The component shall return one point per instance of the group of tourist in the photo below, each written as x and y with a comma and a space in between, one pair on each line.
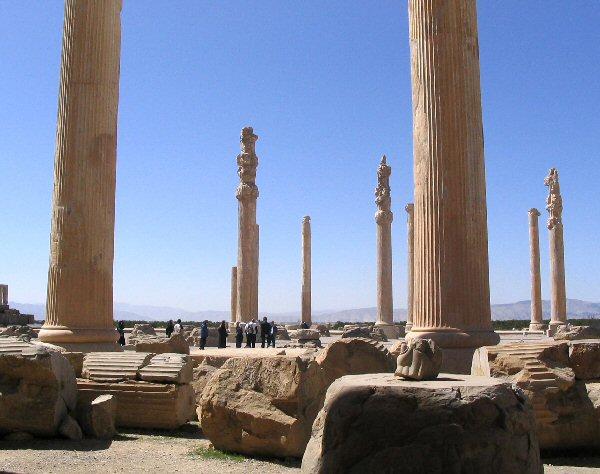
267, 330
173, 328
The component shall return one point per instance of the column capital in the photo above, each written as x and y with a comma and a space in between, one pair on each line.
534, 212
384, 217
554, 203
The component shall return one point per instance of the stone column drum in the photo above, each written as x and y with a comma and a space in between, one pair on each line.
306, 271
256, 268
79, 306
410, 209
451, 272
247, 194
537, 322
554, 205
384, 218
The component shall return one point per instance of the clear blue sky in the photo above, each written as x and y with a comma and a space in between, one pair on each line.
326, 86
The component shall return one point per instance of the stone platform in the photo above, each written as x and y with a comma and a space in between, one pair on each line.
380, 423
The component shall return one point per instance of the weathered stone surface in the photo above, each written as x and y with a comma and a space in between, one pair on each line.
141, 330
564, 415
37, 390
379, 423
97, 419
114, 366
584, 359
266, 406
306, 335
354, 356
144, 404
573, 333
70, 429
76, 360
168, 368
322, 328
201, 376
282, 334
177, 343
420, 359
12, 345
358, 331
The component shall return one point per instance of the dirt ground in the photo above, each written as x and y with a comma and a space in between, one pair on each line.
134, 451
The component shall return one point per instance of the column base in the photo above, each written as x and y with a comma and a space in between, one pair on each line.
554, 325
449, 338
391, 330
537, 327
60, 335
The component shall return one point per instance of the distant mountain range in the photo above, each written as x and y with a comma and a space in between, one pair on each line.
519, 310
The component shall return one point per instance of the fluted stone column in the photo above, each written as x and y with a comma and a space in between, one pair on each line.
306, 271
247, 194
410, 209
451, 297
554, 205
79, 308
537, 322
233, 294
384, 218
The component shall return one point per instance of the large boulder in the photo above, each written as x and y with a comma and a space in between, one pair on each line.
25, 332
573, 333
322, 328
380, 423
200, 378
265, 406
140, 331
356, 331
37, 391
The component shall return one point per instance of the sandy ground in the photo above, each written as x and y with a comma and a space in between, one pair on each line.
131, 452
145, 451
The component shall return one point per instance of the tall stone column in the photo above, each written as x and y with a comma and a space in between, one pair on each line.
3, 296
451, 297
256, 264
247, 194
384, 218
537, 322
554, 205
410, 209
306, 271
79, 308
233, 294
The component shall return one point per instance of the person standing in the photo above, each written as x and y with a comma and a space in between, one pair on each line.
203, 334
169, 328
251, 329
265, 333
177, 328
121, 330
273, 335
239, 335
304, 325
223, 335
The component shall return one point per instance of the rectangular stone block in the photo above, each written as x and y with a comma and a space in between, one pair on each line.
114, 366
144, 404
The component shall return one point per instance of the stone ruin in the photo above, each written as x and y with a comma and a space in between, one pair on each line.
10, 316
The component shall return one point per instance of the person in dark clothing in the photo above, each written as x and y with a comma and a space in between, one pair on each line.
121, 330
304, 325
251, 330
223, 335
169, 328
203, 334
239, 335
273, 335
265, 333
